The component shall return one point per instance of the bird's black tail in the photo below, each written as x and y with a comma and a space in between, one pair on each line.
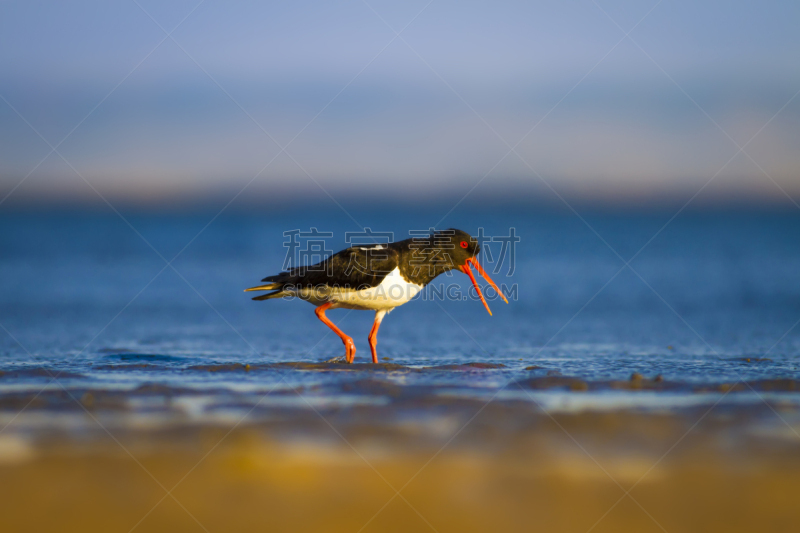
276, 294
267, 287
277, 287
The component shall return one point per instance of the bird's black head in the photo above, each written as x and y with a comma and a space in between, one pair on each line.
456, 245
462, 252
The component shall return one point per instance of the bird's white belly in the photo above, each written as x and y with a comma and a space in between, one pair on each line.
393, 291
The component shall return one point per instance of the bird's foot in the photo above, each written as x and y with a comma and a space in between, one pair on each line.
350, 347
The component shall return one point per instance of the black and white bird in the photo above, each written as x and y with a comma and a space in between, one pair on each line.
378, 278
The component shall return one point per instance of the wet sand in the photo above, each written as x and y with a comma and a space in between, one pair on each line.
79, 459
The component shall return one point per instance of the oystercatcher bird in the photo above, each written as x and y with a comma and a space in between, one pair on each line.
378, 278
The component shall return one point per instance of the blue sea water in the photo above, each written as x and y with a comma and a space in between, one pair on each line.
708, 297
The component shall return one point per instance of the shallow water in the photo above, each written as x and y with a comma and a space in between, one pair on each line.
712, 301
663, 398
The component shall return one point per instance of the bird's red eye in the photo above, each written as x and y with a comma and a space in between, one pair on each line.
464, 244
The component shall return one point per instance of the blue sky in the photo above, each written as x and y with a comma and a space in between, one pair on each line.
598, 116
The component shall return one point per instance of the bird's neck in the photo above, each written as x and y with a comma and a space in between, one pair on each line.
421, 266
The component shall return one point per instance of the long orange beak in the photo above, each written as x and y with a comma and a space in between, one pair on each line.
465, 268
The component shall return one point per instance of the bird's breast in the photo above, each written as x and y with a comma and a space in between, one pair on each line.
393, 291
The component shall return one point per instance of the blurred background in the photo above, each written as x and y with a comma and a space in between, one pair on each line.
596, 117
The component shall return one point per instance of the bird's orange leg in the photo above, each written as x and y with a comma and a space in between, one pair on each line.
349, 345
373, 334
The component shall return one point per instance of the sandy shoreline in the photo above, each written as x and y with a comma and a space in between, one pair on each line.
460, 463
253, 480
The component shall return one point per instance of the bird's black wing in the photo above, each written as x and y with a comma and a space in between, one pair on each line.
356, 267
